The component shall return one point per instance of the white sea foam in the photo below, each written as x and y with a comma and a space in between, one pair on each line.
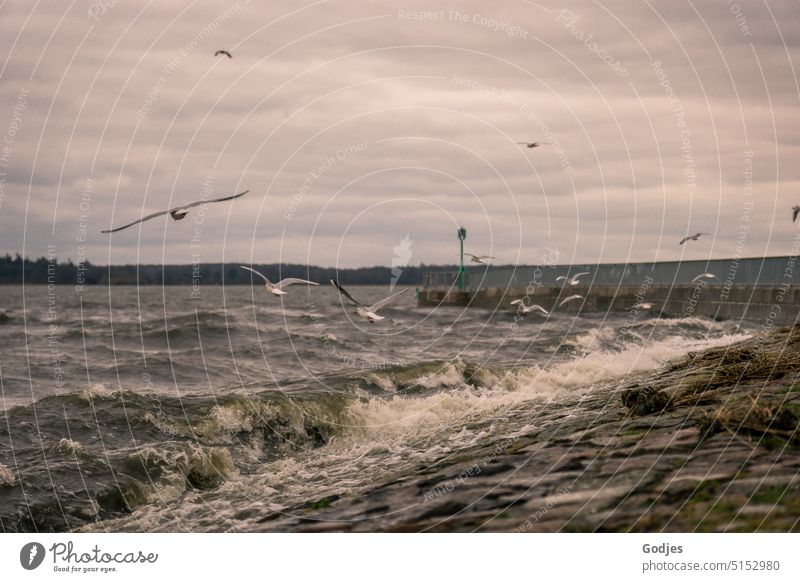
66, 445
594, 340
385, 436
182, 462
382, 381
449, 375
95, 391
399, 418
7, 477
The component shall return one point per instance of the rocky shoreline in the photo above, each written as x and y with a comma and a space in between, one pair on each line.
707, 443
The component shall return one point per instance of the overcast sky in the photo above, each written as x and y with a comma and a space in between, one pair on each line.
354, 124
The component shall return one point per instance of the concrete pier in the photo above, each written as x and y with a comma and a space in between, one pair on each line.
763, 290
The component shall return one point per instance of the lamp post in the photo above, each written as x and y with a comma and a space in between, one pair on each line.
462, 234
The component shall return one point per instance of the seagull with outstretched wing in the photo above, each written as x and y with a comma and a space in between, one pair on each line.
367, 312
693, 237
704, 276
569, 299
524, 310
481, 259
532, 144
277, 288
226, 53
574, 280
177, 213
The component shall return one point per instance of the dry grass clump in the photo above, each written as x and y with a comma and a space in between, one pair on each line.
708, 377
770, 424
734, 366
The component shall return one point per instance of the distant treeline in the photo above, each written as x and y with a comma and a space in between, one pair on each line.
16, 270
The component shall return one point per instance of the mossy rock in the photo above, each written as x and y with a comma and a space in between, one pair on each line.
774, 494
644, 401
322, 503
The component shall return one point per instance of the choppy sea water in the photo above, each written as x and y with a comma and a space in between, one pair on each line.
148, 409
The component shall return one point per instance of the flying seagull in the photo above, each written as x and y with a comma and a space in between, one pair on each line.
524, 310
795, 212
226, 53
177, 213
277, 288
704, 276
532, 144
643, 306
570, 298
574, 280
367, 312
693, 237
481, 260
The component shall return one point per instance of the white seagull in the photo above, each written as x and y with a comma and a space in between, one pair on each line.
643, 306
795, 212
704, 276
481, 260
277, 288
570, 298
524, 310
177, 213
367, 312
693, 237
574, 280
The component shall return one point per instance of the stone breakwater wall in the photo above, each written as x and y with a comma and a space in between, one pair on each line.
766, 304
760, 289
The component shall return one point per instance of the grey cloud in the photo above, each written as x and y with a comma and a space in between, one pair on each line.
160, 115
